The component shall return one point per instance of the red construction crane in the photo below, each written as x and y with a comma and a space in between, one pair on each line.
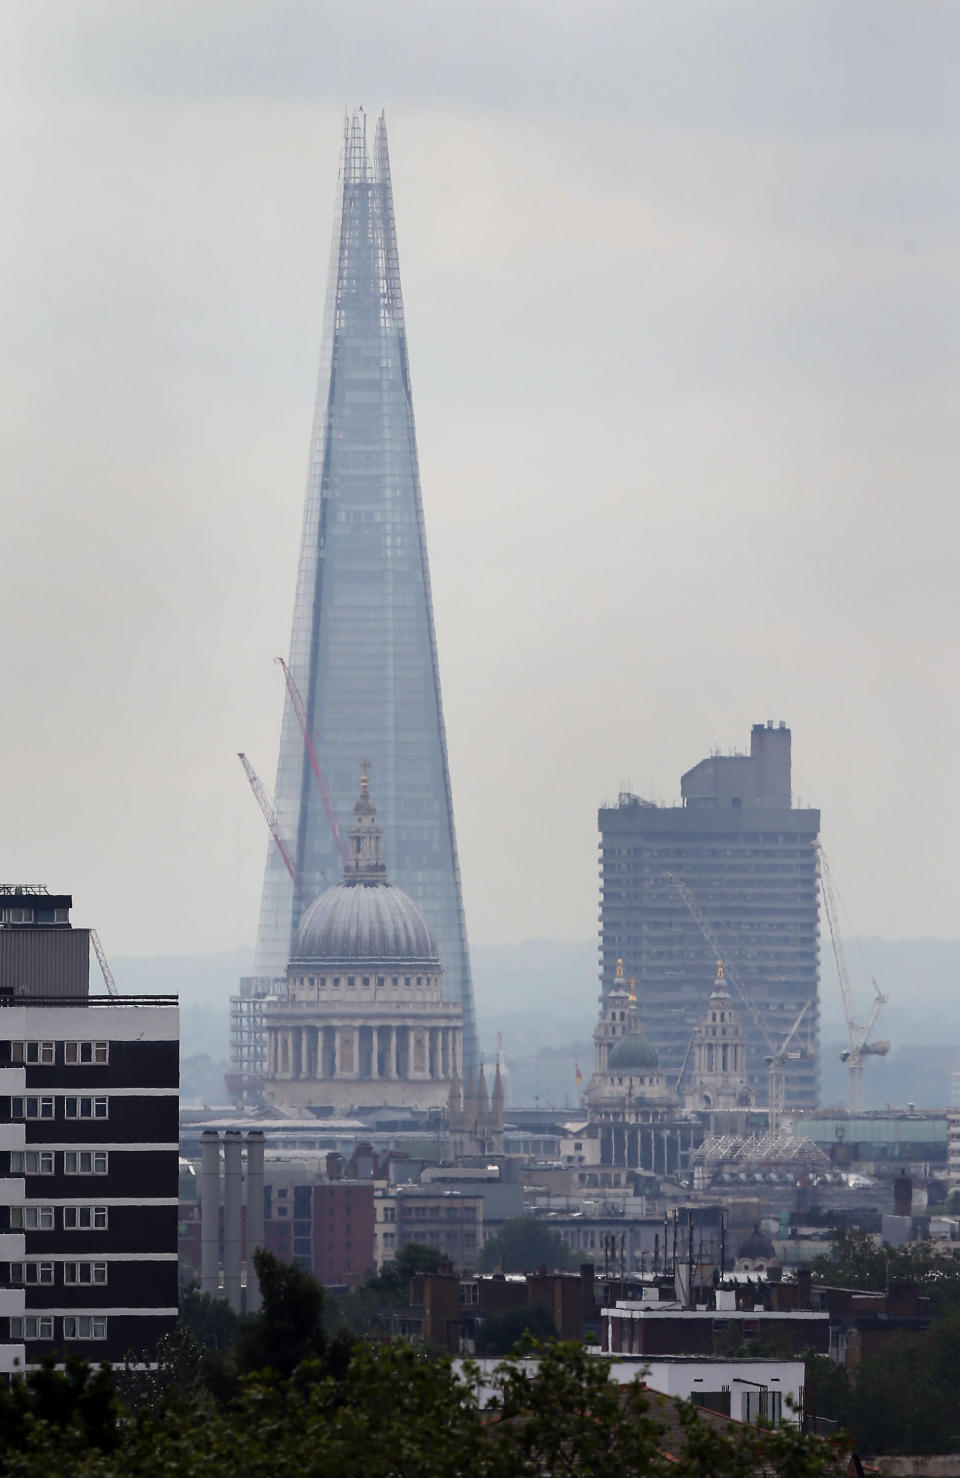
299, 708
105, 970
270, 817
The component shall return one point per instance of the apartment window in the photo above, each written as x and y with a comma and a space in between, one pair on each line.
85, 1162
85, 1218
31, 1108
85, 1272
31, 1327
85, 1326
81, 1052
44, 1052
85, 1108
31, 1162
31, 1218
31, 1272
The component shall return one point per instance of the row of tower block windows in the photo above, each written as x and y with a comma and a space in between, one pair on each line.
74, 1162
781, 955
72, 1326
47, 1054
715, 869
46, 1273
320, 981
782, 925
45, 1218
738, 845
26, 915
44, 1107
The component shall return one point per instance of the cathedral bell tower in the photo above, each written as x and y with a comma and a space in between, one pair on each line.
719, 1083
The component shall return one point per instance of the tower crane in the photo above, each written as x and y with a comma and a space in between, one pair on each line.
778, 1054
270, 816
299, 708
859, 1044
105, 970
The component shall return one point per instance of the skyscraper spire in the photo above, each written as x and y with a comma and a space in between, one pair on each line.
363, 648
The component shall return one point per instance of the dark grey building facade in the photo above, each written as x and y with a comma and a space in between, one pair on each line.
749, 861
41, 953
363, 648
89, 1157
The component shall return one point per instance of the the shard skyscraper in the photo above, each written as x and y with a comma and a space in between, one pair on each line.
363, 651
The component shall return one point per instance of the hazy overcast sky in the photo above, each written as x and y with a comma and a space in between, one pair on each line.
683, 297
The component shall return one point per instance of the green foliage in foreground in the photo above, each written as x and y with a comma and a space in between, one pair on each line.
294, 1396
394, 1413
906, 1398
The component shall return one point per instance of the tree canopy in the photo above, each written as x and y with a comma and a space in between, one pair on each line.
392, 1412
860, 1262
294, 1398
522, 1246
362, 1307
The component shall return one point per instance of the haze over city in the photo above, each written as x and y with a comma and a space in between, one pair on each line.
682, 314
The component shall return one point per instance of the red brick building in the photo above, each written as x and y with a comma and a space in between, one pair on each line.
324, 1225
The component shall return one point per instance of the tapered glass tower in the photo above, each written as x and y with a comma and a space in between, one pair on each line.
363, 650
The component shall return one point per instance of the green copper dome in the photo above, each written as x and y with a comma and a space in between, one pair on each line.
634, 1051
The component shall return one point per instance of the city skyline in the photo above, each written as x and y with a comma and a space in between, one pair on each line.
685, 415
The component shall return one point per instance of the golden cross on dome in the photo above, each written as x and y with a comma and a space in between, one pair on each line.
364, 777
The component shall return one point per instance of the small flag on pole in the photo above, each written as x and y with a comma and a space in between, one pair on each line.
579, 1074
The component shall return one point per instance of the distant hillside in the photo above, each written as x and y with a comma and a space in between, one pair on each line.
541, 995
199, 980
204, 984
536, 994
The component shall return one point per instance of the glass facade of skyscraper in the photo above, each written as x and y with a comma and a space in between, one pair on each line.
363, 649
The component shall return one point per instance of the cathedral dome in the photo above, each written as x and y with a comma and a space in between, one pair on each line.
357, 923
363, 920
634, 1051
757, 1244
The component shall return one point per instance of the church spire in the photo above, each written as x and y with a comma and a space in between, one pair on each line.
364, 862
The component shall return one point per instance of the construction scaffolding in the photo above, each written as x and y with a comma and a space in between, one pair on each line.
760, 1152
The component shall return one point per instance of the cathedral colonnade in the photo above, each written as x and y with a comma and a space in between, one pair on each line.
406, 1051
